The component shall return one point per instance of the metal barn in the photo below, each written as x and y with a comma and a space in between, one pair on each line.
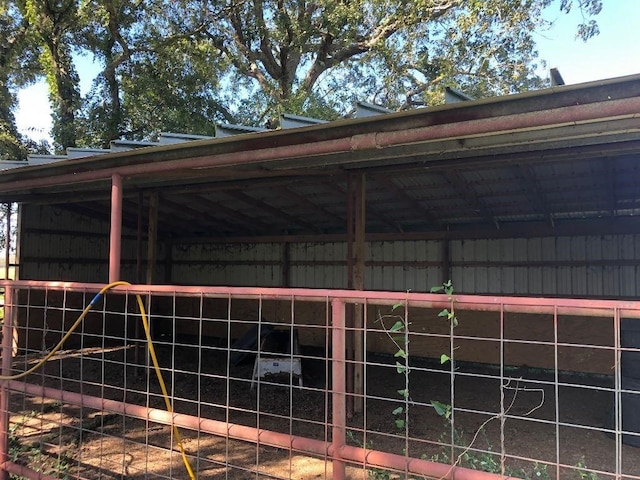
261, 304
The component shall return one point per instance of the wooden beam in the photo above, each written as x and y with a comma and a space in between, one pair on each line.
139, 241
358, 189
372, 212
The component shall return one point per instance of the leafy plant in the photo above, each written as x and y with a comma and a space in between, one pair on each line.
32, 455
582, 471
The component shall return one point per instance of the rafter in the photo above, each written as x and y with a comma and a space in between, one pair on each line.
252, 223
371, 211
413, 202
464, 190
534, 190
304, 200
195, 213
276, 212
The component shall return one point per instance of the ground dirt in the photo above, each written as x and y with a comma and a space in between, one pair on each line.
548, 422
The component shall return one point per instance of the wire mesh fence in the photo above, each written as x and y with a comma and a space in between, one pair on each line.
307, 384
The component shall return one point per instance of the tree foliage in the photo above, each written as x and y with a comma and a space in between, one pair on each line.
186, 64
18, 67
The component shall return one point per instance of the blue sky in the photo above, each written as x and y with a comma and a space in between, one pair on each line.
613, 53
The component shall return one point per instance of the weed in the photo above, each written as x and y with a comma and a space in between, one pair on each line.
37, 459
582, 471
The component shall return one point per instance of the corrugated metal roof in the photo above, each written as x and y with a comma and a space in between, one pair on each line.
538, 158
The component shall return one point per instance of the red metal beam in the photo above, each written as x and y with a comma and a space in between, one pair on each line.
373, 141
115, 237
336, 451
481, 303
338, 379
7, 360
24, 472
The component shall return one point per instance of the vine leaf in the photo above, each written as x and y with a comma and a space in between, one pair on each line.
444, 358
398, 326
400, 353
398, 411
400, 367
442, 409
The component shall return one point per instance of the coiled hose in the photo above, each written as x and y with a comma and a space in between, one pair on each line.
152, 353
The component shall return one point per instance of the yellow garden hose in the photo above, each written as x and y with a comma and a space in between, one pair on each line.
152, 353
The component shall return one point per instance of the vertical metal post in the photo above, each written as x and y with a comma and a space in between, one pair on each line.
350, 307
115, 239
339, 413
139, 238
152, 241
350, 229
7, 343
137, 333
358, 284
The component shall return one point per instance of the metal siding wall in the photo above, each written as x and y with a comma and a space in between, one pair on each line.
587, 266
559, 266
227, 264
312, 265
331, 273
54, 235
536, 274
549, 274
610, 275
628, 275
415, 278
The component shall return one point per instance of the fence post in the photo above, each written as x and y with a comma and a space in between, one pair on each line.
7, 359
338, 417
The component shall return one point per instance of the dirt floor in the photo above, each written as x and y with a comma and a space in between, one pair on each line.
547, 422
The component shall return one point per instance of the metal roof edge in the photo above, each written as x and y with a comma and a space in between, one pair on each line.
538, 100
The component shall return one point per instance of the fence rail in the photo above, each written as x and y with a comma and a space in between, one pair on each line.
285, 383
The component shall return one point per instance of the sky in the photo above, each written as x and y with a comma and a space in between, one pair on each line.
613, 53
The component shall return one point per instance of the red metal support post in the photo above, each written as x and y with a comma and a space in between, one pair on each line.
7, 343
349, 313
115, 238
339, 412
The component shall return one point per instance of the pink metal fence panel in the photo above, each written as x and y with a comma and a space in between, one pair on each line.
463, 387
